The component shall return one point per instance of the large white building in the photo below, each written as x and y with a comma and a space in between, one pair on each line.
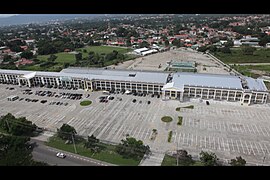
178, 86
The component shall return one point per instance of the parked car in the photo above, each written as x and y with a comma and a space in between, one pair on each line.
60, 155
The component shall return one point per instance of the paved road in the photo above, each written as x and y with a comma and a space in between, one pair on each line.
251, 64
48, 154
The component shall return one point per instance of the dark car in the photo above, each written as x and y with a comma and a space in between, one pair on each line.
207, 103
111, 98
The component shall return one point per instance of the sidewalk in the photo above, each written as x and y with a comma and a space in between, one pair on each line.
155, 159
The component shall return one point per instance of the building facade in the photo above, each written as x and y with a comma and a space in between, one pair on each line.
178, 86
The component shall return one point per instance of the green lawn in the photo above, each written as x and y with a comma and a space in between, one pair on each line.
62, 58
259, 56
166, 119
171, 161
85, 103
108, 154
105, 49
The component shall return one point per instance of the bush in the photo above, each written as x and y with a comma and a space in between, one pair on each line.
180, 118
166, 119
170, 136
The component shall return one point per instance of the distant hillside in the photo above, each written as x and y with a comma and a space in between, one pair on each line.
40, 18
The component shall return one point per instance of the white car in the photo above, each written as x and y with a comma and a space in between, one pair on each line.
60, 155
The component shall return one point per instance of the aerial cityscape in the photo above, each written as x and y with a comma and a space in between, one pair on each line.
134, 89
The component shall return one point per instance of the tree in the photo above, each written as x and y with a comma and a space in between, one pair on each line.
248, 50
208, 159
17, 126
52, 58
144, 44
229, 44
166, 43
184, 158
132, 148
78, 57
27, 54
66, 132
92, 143
213, 48
225, 50
238, 161
84, 50
202, 48
15, 151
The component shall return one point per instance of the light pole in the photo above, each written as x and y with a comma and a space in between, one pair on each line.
177, 154
73, 143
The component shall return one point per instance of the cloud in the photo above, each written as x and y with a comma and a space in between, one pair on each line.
7, 15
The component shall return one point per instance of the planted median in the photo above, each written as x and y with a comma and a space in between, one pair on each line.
85, 103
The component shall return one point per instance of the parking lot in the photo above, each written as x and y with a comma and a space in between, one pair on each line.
227, 129
158, 62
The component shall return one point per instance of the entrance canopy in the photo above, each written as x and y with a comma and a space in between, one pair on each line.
29, 75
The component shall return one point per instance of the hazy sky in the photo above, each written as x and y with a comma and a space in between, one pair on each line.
6, 15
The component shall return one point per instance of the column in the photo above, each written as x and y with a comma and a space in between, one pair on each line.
256, 97
221, 94
29, 83
228, 95
57, 81
234, 95
19, 81
215, 91
263, 98
181, 96
188, 92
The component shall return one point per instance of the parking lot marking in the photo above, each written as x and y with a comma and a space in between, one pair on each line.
266, 130
267, 150
245, 146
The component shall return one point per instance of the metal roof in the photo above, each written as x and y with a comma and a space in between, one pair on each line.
206, 80
120, 75
256, 84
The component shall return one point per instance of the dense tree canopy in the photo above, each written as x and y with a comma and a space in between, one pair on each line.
27, 54
238, 161
17, 126
208, 159
15, 151
66, 132
132, 148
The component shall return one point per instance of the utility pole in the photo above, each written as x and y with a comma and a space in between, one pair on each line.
8, 125
177, 155
73, 143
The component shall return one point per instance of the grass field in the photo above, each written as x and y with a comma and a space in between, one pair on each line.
247, 70
64, 57
259, 56
171, 161
105, 49
108, 154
